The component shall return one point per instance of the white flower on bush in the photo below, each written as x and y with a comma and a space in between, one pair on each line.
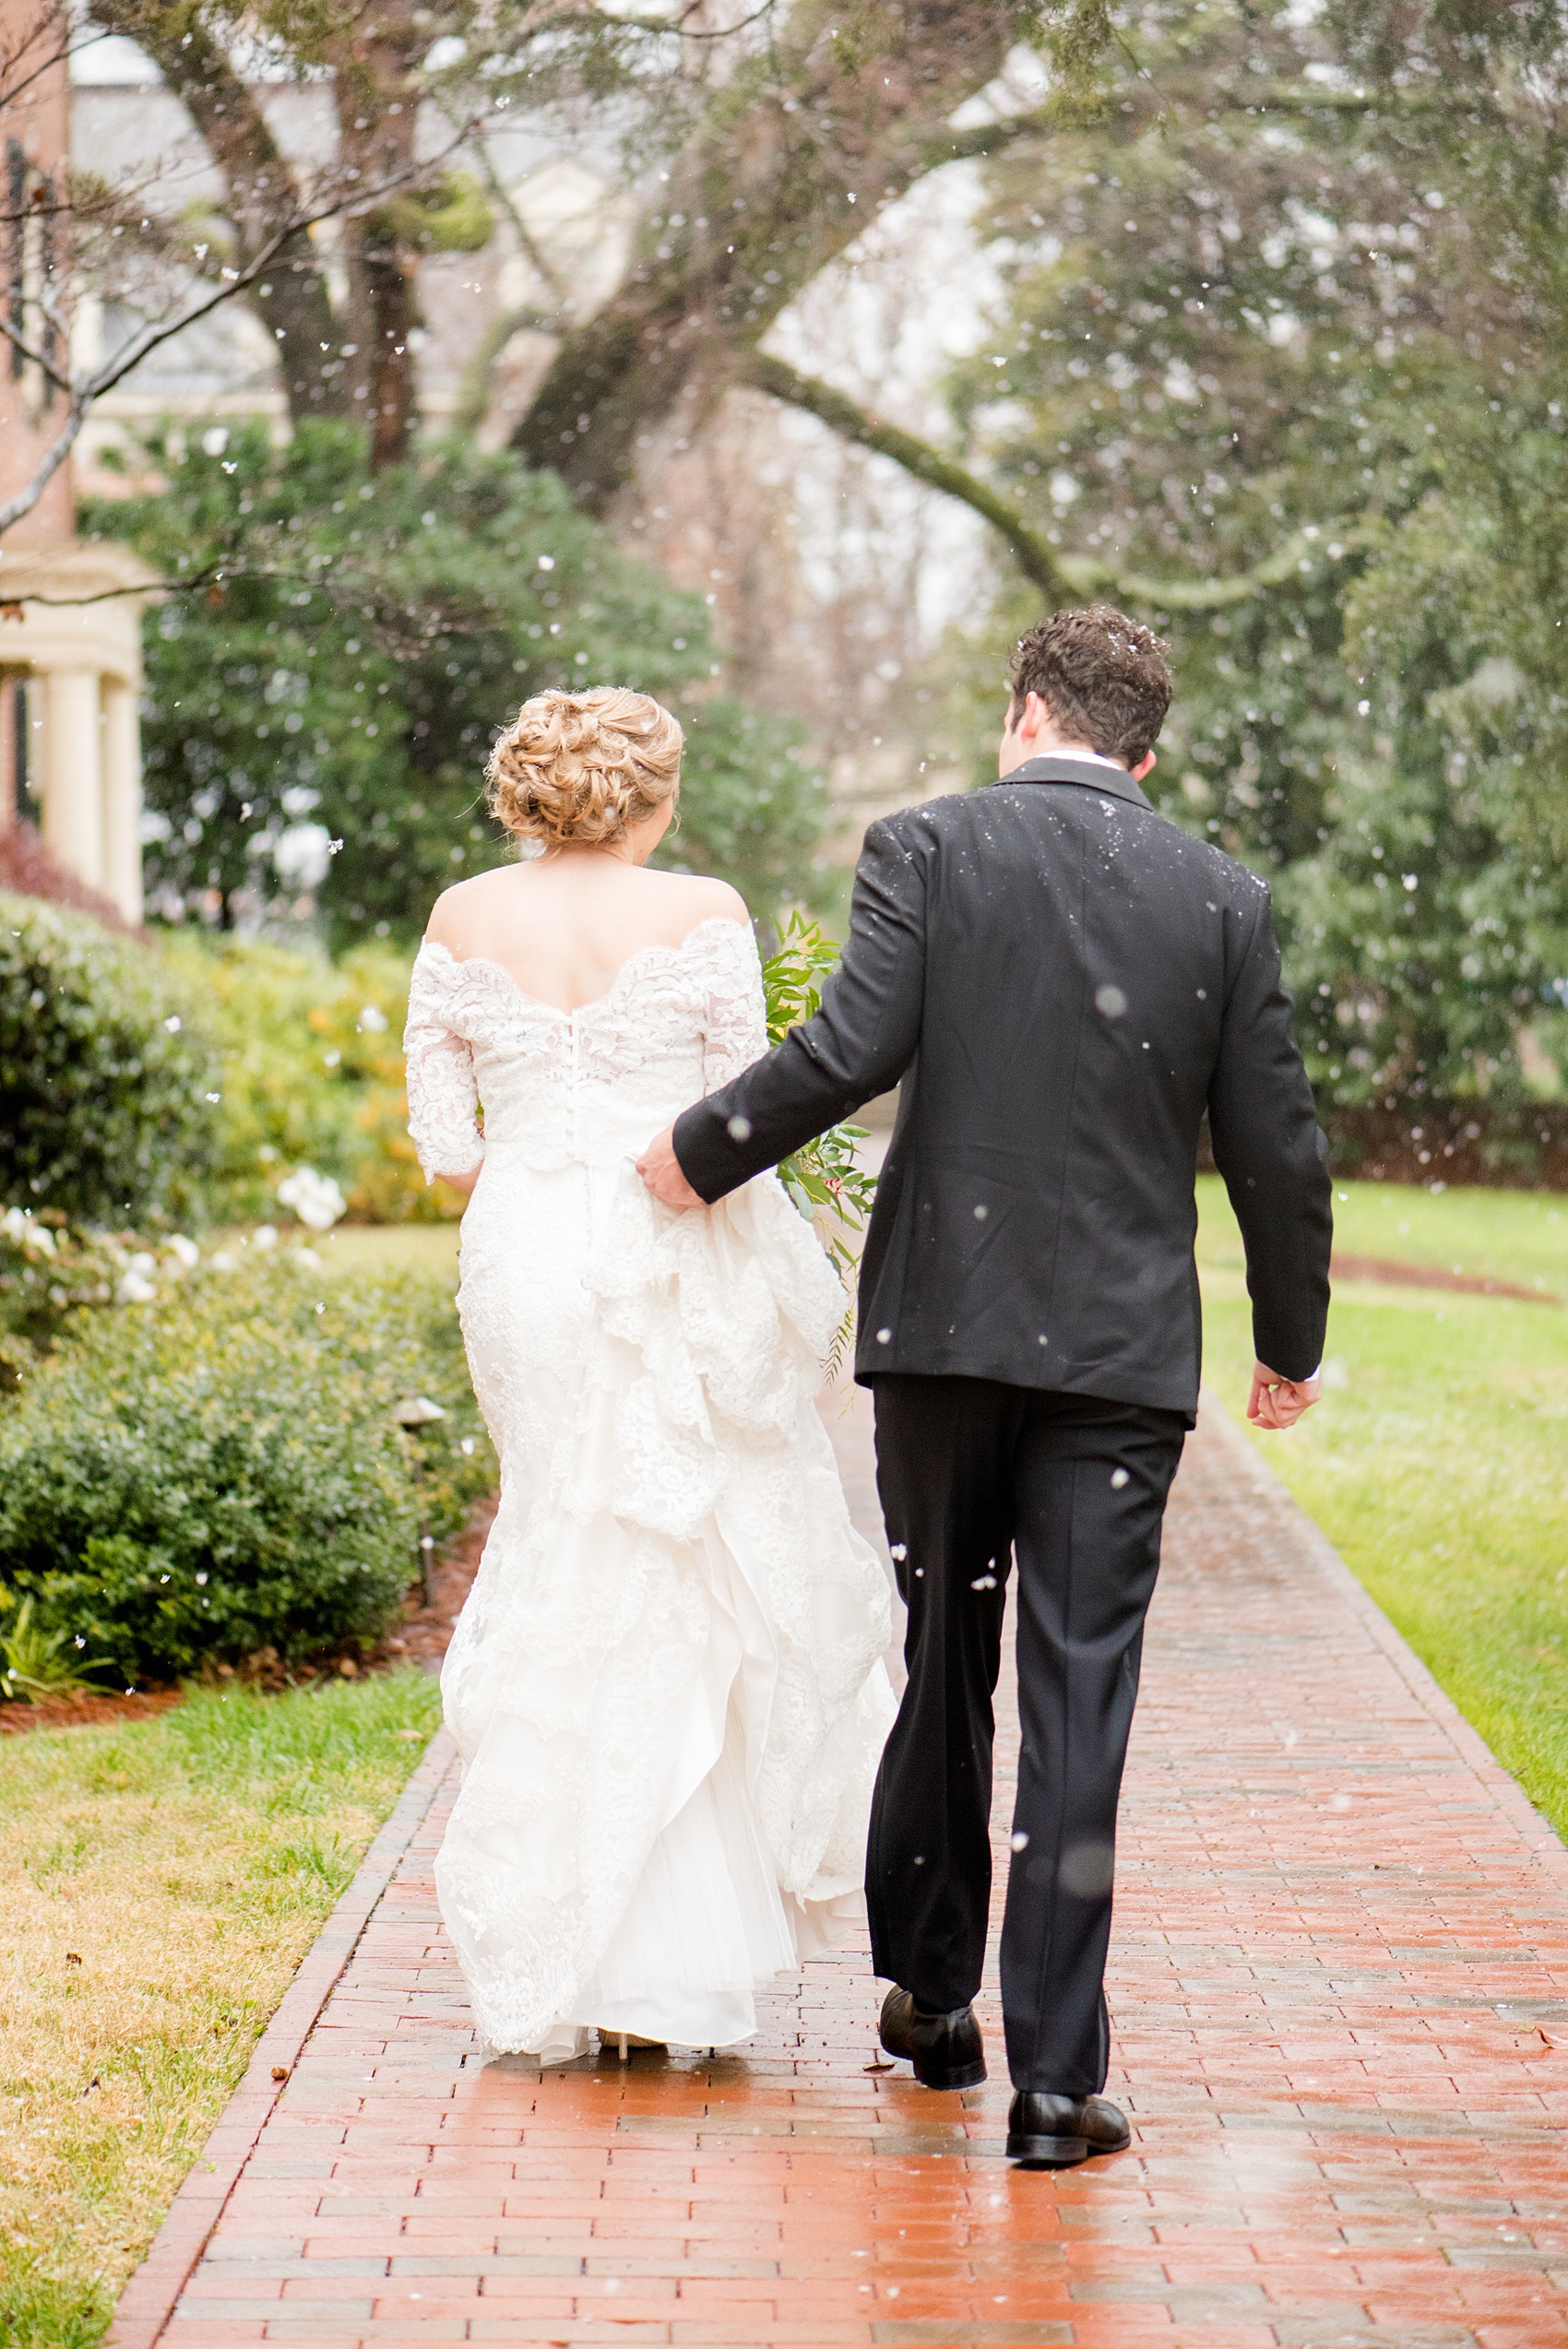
139, 1282
35, 1238
315, 1198
185, 1252
263, 1237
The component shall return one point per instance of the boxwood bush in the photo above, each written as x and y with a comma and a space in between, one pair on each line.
109, 1084
312, 1054
218, 1471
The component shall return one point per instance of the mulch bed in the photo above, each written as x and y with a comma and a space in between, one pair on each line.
1401, 1275
86, 1711
421, 1637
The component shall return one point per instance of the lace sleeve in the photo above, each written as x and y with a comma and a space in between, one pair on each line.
735, 1030
443, 1096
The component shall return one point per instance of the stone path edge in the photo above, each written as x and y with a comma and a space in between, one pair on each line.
149, 2299
1546, 1847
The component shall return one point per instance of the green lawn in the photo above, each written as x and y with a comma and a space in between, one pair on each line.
1519, 1236
160, 1882
422, 1247
1437, 1462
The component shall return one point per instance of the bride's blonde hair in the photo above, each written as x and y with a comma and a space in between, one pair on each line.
584, 767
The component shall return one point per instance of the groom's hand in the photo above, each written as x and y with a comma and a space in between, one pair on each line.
660, 1169
1279, 1403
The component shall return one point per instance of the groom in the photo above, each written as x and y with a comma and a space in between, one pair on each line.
1063, 983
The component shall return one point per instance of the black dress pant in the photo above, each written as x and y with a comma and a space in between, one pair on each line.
970, 1470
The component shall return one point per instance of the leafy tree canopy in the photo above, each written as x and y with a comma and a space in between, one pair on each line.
1338, 315
321, 698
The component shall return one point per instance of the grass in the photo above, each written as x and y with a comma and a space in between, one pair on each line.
421, 1247
1519, 1236
161, 1882
1437, 1462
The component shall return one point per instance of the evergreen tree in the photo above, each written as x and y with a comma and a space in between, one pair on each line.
1226, 328
321, 698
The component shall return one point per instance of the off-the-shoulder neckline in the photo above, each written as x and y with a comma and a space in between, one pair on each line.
483, 962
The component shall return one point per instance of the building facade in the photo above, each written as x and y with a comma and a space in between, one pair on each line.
70, 611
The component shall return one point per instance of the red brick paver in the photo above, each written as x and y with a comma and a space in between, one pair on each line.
1340, 1989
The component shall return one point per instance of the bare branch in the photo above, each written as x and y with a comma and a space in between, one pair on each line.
1058, 575
1209, 594
978, 140
37, 358
54, 458
53, 28
1036, 559
473, 395
519, 227
673, 29
84, 391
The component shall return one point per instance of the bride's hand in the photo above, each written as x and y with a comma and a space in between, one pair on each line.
660, 1169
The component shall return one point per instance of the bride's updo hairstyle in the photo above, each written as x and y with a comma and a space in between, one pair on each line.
581, 769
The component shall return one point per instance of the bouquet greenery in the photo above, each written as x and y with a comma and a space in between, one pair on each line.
824, 1173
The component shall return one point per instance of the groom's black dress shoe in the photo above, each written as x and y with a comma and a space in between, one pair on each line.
1056, 2132
945, 2049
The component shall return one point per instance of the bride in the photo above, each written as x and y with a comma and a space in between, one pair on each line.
666, 1684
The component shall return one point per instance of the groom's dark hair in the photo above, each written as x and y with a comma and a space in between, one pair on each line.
1104, 679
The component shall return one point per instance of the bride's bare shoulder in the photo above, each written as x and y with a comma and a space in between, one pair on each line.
456, 909
691, 898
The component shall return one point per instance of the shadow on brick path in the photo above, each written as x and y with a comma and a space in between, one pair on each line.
1339, 1992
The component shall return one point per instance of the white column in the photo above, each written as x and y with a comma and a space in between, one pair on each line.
121, 797
72, 798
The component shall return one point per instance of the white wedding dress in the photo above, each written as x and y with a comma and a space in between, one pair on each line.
666, 1683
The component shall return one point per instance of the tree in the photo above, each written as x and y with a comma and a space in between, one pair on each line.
388, 201
321, 700
1340, 322
784, 132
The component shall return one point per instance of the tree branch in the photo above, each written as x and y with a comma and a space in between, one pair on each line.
84, 391
1057, 575
980, 139
38, 358
1294, 97
537, 258
1037, 561
473, 393
54, 458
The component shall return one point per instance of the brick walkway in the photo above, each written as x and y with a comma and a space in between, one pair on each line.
1339, 1990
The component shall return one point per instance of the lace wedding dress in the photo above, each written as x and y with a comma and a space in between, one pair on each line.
666, 1684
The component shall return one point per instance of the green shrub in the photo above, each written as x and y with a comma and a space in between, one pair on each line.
369, 633
312, 1056
47, 1272
108, 1074
218, 1471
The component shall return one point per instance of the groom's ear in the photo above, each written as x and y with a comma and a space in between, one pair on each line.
1031, 717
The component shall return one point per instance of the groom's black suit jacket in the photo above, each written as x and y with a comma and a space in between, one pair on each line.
1065, 982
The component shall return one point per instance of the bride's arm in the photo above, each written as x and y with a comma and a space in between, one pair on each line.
735, 1031
442, 1095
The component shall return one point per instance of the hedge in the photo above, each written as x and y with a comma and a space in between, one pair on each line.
218, 1471
109, 1084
